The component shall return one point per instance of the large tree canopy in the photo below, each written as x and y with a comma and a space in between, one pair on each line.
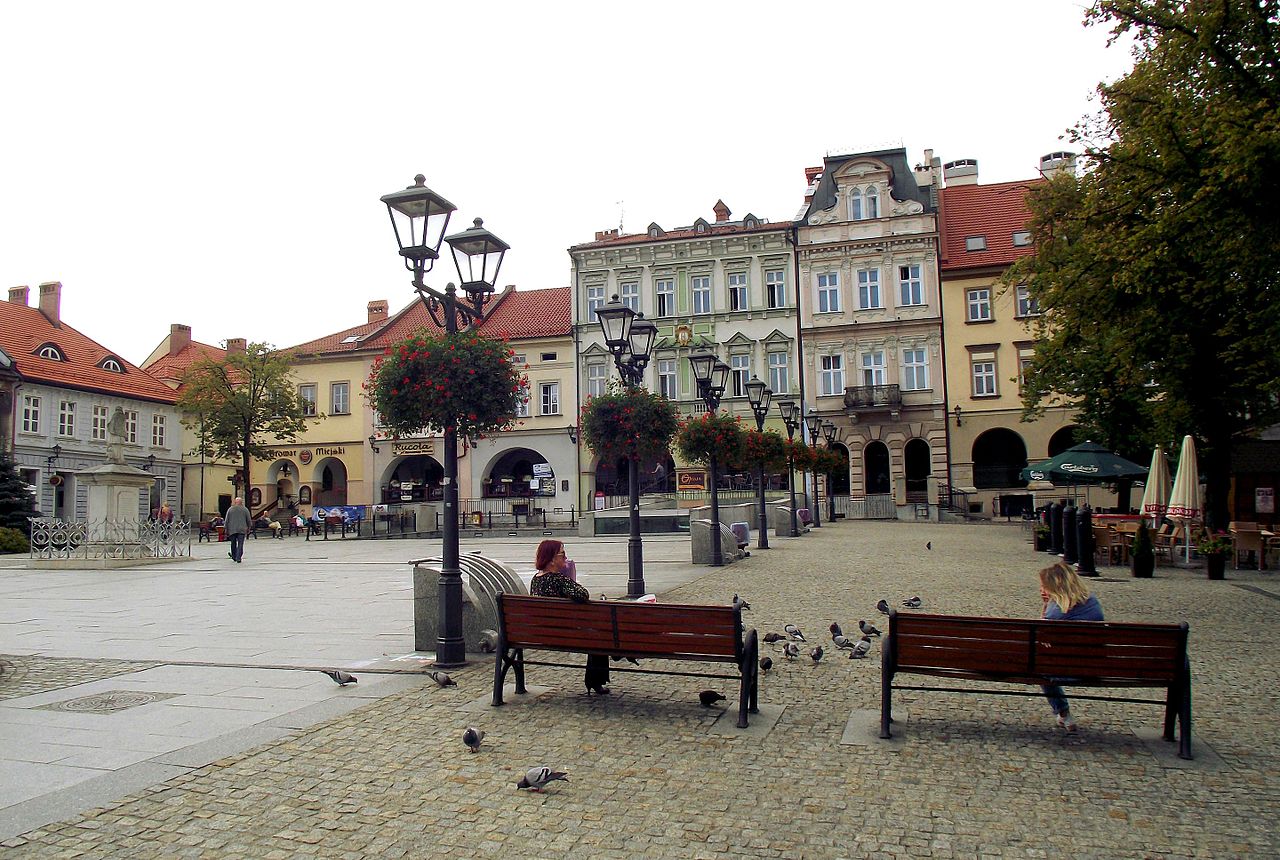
242, 406
1157, 268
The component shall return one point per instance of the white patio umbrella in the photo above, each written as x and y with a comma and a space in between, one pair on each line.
1184, 502
1155, 499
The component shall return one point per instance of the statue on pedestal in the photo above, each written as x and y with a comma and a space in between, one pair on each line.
117, 432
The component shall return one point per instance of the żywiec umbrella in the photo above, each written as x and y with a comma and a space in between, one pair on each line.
1155, 500
1086, 463
1184, 502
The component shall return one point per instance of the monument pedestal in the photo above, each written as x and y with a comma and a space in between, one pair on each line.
113, 501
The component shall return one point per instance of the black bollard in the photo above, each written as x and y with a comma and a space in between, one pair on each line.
1070, 549
1055, 527
1084, 540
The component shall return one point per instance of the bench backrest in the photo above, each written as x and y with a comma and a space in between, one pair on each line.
1016, 647
678, 631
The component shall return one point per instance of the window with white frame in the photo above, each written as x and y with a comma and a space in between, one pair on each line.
340, 398
131, 426
1027, 306
550, 398
597, 379
307, 394
1021, 238
738, 291
700, 286
740, 370
778, 375
158, 428
873, 367
98, 422
979, 304
869, 289
665, 291
864, 203
828, 292
984, 378
629, 292
67, 418
775, 287
30, 413
910, 289
831, 373
667, 378
1024, 370
595, 301
915, 369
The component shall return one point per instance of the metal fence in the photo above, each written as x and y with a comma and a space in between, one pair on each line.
125, 539
877, 507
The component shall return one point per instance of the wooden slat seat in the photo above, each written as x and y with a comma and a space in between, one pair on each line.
620, 629
1024, 651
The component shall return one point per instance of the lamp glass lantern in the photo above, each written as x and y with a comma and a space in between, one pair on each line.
719, 379
758, 395
788, 410
703, 363
814, 422
829, 432
477, 255
640, 338
616, 320
419, 217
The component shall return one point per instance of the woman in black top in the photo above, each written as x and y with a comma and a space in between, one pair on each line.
551, 581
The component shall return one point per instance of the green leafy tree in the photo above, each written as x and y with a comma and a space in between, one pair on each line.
17, 503
1156, 269
241, 406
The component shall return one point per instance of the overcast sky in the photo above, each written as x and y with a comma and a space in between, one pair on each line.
220, 165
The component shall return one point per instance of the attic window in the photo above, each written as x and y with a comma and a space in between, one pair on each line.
112, 364
750, 222
51, 351
351, 338
700, 226
655, 231
975, 243
1021, 239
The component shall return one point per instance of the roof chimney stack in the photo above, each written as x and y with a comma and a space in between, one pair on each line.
237, 346
1057, 162
179, 337
722, 211
962, 171
51, 301
378, 310
20, 295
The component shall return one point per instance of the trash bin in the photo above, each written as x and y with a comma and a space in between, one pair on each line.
222, 534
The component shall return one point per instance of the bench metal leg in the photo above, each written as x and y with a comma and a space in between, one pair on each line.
1184, 715
518, 665
499, 674
886, 689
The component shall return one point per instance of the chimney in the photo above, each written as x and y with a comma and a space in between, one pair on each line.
722, 211
1057, 162
236, 345
378, 310
20, 295
51, 300
962, 171
179, 337
601, 235
924, 171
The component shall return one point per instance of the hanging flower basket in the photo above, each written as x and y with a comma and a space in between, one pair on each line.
766, 448
711, 435
830, 463
802, 455
629, 422
430, 381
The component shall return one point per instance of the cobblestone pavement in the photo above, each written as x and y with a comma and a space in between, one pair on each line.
26, 676
966, 776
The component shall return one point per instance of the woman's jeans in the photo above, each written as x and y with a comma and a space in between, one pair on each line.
1057, 698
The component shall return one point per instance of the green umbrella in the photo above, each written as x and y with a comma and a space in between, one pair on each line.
1086, 463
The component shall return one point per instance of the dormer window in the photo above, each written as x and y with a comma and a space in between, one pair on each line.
700, 226
654, 230
112, 364
864, 204
750, 222
51, 352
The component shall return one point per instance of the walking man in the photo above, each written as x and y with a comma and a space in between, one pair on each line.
237, 524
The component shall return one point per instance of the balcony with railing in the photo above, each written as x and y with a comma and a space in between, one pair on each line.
868, 397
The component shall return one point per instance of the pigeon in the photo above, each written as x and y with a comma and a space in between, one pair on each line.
740, 602
709, 698
340, 677
766, 663
488, 641
538, 777
835, 630
442, 679
791, 650
816, 654
929, 545
472, 738
913, 603
628, 659
843, 641
794, 632
883, 607
773, 637
868, 629
860, 649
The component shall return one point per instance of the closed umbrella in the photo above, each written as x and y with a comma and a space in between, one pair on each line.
1155, 500
1184, 502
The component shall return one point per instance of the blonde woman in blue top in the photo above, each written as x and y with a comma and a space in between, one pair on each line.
1065, 598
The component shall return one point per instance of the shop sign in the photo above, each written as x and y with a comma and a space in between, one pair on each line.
691, 479
421, 446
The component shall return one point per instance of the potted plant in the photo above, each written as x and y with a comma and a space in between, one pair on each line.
1143, 561
1043, 537
1213, 547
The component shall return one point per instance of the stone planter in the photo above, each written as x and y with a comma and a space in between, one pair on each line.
1215, 566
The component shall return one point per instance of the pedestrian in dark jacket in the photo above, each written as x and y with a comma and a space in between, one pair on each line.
237, 523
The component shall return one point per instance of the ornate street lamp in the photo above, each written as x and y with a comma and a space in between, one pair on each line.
814, 423
419, 217
791, 419
829, 433
629, 338
712, 375
758, 395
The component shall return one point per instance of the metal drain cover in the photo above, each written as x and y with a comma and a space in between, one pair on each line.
109, 702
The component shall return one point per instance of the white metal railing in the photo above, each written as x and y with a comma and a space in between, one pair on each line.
53, 538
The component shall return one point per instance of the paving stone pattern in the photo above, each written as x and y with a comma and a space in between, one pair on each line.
27, 675
966, 776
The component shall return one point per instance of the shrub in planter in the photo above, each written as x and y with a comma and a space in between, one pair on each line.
12, 540
629, 422
1143, 562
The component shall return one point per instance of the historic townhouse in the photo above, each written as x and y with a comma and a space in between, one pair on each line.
989, 335
723, 286
872, 323
65, 388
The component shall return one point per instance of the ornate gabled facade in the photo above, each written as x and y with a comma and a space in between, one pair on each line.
871, 315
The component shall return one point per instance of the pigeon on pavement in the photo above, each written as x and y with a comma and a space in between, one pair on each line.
766, 663
442, 678
740, 602
842, 641
709, 698
913, 603
883, 607
472, 738
835, 630
868, 629
860, 649
628, 659
794, 632
816, 654
537, 778
488, 641
791, 650
340, 677
929, 545
773, 637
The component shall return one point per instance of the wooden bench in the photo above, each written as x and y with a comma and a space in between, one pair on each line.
1021, 651
620, 629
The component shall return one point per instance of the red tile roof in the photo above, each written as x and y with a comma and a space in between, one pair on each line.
23, 330
172, 367
995, 211
713, 229
334, 342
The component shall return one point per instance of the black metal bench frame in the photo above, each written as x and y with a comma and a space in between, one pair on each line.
1022, 651
624, 629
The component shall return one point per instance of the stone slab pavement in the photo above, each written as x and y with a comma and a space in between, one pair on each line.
652, 773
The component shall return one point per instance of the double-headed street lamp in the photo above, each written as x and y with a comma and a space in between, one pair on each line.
758, 395
712, 375
419, 217
791, 419
814, 422
629, 337
829, 432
